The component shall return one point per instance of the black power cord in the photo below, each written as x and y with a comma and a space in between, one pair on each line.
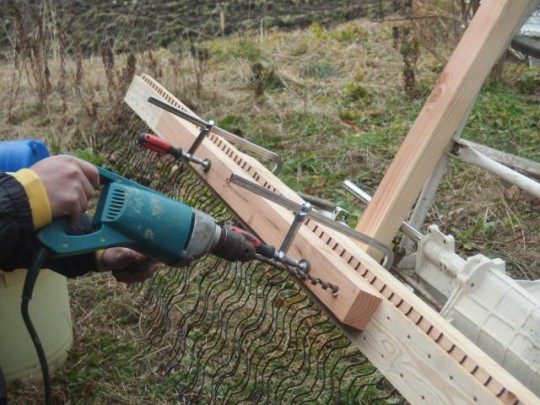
29, 283
3, 389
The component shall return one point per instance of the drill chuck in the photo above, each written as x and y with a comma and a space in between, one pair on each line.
233, 246
237, 244
228, 242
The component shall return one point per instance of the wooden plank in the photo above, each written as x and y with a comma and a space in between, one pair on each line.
265, 218
487, 36
426, 359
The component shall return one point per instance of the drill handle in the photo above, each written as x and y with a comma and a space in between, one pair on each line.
55, 236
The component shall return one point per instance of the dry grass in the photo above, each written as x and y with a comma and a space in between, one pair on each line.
109, 361
305, 114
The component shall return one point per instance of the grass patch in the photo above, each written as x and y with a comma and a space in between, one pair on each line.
507, 121
331, 104
110, 361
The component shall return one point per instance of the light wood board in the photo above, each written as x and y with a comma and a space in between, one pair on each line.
423, 356
487, 36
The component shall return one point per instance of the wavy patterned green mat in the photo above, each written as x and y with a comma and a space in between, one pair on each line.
233, 333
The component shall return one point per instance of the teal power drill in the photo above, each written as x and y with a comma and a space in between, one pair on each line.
134, 216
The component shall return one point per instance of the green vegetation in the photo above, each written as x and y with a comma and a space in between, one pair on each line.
330, 101
505, 119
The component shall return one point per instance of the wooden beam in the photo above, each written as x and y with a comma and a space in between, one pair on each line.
421, 354
487, 36
356, 301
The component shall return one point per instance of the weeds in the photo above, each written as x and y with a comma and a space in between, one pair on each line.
523, 78
333, 107
321, 70
265, 79
62, 80
90, 155
107, 58
409, 49
33, 48
15, 85
501, 119
199, 57
242, 48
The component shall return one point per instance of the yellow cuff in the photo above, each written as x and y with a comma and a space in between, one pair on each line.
37, 197
99, 260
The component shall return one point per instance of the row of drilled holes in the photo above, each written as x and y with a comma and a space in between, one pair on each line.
391, 296
438, 337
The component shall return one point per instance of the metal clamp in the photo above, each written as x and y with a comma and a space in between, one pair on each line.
278, 162
281, 255
204, 131
299, 268
405, 227
296, 207
205, 163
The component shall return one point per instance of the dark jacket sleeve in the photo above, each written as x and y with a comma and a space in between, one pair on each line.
17, 237
15, 215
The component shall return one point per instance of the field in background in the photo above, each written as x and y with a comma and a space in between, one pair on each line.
332, 102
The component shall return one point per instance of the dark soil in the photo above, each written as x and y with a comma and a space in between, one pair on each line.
145, 24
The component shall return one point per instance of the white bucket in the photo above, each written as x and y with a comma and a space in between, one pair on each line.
51, 315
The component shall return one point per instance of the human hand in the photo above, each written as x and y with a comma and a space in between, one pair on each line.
70, 183
128, 266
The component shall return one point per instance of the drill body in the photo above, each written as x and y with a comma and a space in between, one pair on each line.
134, 216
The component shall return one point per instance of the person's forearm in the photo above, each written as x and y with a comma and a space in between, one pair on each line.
15, 214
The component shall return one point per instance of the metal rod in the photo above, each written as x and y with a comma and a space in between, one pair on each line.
525, 166
407, 228
221, 132
299, 219
469, 155
206, 129
429, 191
295, 207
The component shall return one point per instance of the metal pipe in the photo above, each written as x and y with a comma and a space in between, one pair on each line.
470, 155
407, 228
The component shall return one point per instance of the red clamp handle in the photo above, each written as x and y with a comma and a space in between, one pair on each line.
158, 145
